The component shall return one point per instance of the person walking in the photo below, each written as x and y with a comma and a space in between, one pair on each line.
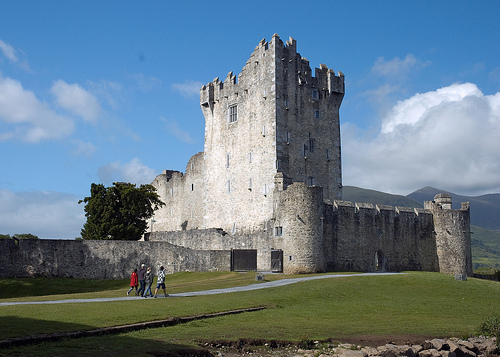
148, 278
133, 282
160, 282
140, 275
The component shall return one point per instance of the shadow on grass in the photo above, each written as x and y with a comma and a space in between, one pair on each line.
83, 340
22, 287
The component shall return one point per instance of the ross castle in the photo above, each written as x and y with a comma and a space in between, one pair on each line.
268, 185
265, 194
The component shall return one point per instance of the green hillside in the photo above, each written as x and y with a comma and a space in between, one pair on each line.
356, 194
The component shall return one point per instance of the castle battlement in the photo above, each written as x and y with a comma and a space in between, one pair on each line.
270, 177
368, 208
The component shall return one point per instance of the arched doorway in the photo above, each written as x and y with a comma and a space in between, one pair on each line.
380, 261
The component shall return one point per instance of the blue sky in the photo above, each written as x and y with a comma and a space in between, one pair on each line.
104, 91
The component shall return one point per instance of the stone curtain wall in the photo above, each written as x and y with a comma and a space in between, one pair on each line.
363, 237
101, 259
217, 239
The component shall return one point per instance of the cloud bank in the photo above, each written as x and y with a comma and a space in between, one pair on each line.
448, 138
134, 172
42, 213
26, 117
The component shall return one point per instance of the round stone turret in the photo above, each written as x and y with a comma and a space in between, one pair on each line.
443, 200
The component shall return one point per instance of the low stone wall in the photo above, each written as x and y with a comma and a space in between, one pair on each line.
102, 259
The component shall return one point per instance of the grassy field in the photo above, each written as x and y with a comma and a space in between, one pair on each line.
419, 304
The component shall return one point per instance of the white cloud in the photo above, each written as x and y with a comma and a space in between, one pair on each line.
44, 214
189, 88
174, 129
389, 79
145, 83
27, 117
397, 69
448, 138
83, 149
134, 172
107, 90
11, 54
8, 51
494, 75
76, 100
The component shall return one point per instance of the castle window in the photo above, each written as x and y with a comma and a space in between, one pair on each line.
233, 230
228, 159
311, 181
233, 113
311, 145
278, 231
250, 184
228, 186
265, 189
277, 164
250, 157
264, 130
286, 103
327, 154
192, 187
305, 150
315, 94
172, 191
316, 114
288, 137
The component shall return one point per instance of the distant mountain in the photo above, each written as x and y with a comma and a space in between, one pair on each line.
356, 194
484, 210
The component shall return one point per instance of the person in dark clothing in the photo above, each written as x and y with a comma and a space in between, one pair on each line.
140, 275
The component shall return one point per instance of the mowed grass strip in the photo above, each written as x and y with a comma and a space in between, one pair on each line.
426, 304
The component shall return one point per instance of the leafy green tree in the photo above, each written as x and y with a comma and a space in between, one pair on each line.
19, 236
119, 212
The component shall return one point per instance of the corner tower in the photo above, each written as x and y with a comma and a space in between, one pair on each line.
452, 230
274, 117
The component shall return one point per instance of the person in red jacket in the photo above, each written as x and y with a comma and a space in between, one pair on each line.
134, 281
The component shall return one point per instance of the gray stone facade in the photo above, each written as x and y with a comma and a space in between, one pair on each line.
269, 179
101, 259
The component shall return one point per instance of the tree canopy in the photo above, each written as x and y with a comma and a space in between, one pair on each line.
119, 212
19, 236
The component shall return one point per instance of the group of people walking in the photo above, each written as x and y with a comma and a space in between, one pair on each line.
143, 278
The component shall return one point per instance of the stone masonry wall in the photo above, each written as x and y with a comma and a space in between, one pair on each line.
452, 234
217, 239
102, 259
240, 153
307, 117
183, 197
363, 237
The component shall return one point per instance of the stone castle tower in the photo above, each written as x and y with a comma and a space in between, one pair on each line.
275, 117
275, 120
268, 186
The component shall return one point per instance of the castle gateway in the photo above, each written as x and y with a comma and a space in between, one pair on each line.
268, 185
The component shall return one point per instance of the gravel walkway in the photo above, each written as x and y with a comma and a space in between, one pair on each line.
269, 284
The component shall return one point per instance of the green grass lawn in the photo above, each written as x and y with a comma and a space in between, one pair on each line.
425, 304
